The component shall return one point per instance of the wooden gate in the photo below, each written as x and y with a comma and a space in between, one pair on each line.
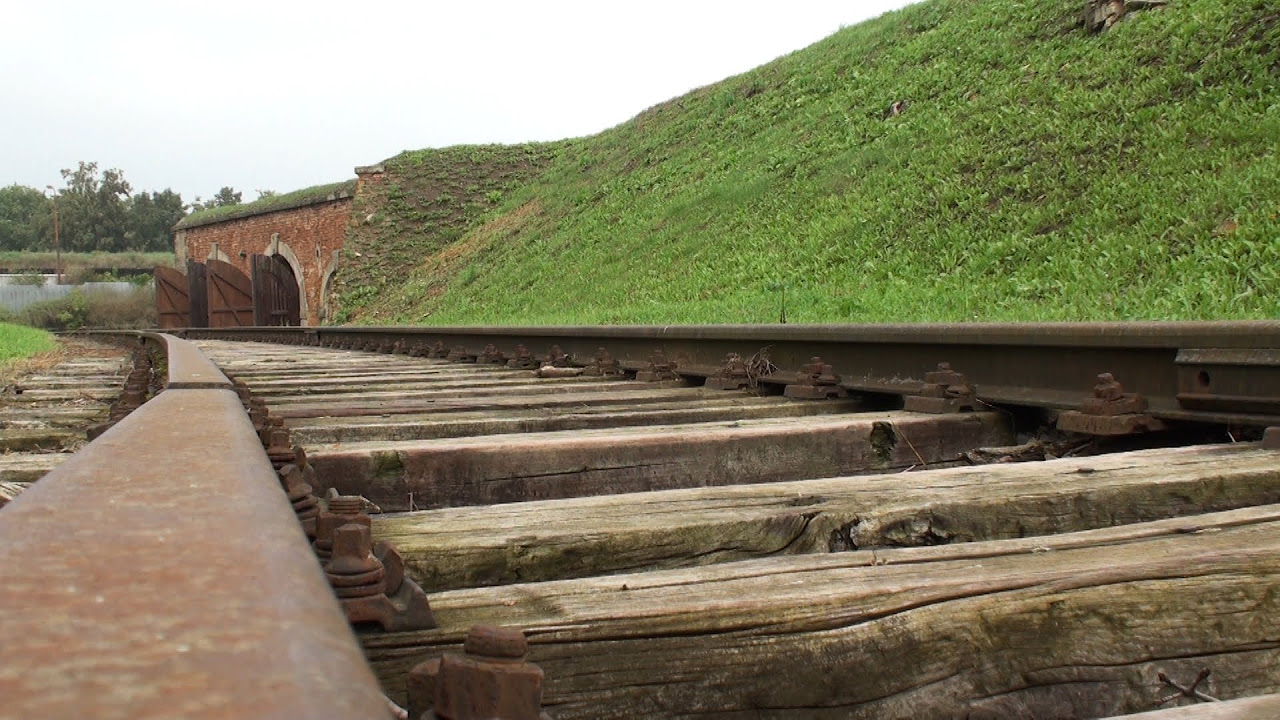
173, 306
275, 292
230, 295
198, 293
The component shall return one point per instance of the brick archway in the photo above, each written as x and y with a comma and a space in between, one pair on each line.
326, 288
284, 252
215, 253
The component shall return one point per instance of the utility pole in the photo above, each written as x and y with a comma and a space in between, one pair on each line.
57, 243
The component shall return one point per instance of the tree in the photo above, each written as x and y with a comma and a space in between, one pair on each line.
152, 216
224, 197
92, 209
25, 219
264, 194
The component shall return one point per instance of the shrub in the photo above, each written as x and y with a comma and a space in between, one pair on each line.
29, 278
97, 310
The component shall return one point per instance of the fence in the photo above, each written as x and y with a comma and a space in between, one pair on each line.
15, 298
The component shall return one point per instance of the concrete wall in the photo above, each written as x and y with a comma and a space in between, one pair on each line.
308, 238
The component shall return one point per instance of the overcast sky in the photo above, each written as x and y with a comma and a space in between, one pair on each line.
281, 95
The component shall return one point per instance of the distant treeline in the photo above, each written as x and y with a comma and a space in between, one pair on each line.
97, 212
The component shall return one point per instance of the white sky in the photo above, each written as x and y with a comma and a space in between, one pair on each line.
281, 95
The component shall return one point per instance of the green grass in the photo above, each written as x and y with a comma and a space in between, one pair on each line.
428, 201
274, 203
1039, 172
20, 341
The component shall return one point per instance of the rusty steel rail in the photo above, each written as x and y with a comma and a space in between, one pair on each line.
161, 572
1212, 372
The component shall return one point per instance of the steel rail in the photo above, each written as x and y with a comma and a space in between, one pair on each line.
1213, 372
161, 572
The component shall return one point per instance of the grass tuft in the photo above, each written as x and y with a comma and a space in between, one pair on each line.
19, 341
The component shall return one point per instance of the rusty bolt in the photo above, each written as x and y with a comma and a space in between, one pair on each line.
343, 509
557, 357
523, 359
1108, 388
352, 551
353, 571
819, 373
279, 450
491, 680
305, 504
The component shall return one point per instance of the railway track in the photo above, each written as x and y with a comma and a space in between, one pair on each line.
739, 522
44, 415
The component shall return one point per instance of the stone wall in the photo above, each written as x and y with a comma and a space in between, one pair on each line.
309, 237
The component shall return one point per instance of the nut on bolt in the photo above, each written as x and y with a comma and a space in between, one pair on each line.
491, 680
815, 381
944, 391
603, 365
1109, 411
660, 368
367, 577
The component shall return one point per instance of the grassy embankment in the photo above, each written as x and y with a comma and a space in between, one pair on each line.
1036, 172
419, 217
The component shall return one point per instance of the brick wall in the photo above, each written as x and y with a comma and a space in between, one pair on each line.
309, 237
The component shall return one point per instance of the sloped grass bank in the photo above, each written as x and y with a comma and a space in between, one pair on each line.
425, 202
1032, 171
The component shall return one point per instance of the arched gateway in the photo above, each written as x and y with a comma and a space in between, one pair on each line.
299, 234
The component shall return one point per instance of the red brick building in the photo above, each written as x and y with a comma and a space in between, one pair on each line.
304, 230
